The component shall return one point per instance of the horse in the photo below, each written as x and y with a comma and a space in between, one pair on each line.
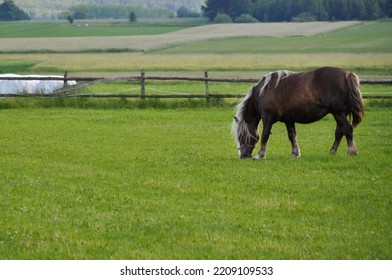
306, 97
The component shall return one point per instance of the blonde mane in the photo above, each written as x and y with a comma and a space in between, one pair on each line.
239, 127
281, 74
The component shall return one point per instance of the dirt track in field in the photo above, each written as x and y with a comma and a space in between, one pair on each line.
189, 35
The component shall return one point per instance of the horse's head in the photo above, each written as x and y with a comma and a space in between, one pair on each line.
246, 136
245, 125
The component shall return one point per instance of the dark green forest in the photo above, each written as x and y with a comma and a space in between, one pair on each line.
300, 10
11, 12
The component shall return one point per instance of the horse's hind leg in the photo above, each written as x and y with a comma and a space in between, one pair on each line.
293, 139
347, 130
338, 138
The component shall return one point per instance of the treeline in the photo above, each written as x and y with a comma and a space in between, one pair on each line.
260, 10
115, 12
299, 10
50, 9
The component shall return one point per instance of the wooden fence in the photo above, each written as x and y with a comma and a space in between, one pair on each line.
66, 91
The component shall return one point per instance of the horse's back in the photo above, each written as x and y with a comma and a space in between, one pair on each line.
308, 96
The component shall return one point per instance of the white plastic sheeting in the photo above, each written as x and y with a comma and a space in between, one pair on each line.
31, 86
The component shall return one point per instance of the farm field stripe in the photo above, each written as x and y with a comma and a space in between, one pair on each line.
149, 42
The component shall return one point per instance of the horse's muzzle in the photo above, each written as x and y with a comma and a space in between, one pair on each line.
245, 156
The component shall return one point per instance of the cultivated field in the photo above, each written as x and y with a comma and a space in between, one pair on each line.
184, 36
160, 179
364, 48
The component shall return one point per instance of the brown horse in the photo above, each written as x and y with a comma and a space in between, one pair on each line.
298, 98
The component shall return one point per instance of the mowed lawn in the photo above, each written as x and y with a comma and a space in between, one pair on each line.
167, 184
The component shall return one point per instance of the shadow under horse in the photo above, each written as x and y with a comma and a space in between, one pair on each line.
298, 98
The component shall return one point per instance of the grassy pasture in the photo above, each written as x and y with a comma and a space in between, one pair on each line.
237, 65
167, 184
181, 87
102, 28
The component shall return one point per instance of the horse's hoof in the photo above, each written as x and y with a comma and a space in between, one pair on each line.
352, 151
257, 157
295, 156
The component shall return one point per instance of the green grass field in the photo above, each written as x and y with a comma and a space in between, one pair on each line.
167, 184
87, 28
111, 64
161, 179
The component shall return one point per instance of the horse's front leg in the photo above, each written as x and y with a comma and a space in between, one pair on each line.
267, 125
291, 132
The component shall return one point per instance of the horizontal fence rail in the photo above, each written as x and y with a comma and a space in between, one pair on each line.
65, 91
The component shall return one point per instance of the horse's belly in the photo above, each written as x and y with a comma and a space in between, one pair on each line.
305, 116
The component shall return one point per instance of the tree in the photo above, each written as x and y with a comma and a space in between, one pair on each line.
9, 12
233, 8
132, 17
70, 19
300, 10
66, 15
222, 18
185, 12
80, 12
389, 8
245, 18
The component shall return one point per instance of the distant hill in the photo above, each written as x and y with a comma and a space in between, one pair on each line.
50, 9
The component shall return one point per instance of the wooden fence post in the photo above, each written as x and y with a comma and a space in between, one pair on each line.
142, 84
65, 78
208, 96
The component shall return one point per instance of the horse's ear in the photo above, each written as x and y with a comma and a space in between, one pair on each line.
236, 120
